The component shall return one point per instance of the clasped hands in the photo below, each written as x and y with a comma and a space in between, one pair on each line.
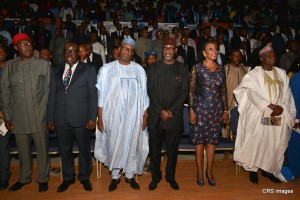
166, 115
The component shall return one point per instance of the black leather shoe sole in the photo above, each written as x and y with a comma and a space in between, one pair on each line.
3, 184
43, 187
87, 185
152, 185
271, 177
65, 185
174, 185
113, 185
253, 177
17, 186
133, 183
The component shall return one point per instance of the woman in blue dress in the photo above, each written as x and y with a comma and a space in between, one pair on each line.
208, 108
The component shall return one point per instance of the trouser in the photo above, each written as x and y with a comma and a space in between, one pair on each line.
4, 157
66, 136
115, 174
41, 142
156, 138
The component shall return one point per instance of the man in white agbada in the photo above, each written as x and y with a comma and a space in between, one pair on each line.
122, 144
267, 112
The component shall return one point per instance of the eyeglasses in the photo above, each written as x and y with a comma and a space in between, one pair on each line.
169, 48
71, 51
24, 43
127, 49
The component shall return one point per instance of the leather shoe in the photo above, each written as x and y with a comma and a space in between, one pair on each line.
113, 185
152, 185
253, 177
43, 187
200, 182
132, 183
65, 185
18, 185
212, 181
173, 185
3, 184
87, 185
271, 177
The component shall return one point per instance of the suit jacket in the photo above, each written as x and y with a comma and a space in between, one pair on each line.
132, 35
68, 36
190, 59
109, 43
79, 104
115, 35
97, 61
24, 94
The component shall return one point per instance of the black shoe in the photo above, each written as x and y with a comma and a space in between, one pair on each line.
253, 177
132, 183
212, 181
87, 185
43, 187
201, 182
152, 185
173, 184
3, 184
113, 185
65, 185
18, 185
271, 177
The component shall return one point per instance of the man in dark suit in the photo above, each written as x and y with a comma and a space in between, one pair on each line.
186, 52
118, 33
106, 41
167, 84
93, 58
72, 112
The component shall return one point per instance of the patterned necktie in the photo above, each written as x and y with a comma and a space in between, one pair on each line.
67, 78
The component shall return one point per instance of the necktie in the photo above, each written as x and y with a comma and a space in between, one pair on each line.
88, 59
245, 55
185, 51
67, 78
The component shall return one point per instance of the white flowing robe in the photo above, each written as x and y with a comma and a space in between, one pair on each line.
122, 94
262, 146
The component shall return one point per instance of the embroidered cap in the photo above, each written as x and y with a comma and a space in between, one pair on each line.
267, 49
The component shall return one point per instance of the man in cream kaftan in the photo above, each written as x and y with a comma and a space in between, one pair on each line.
123, 103
257, 145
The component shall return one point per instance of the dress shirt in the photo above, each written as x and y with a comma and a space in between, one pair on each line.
67, 68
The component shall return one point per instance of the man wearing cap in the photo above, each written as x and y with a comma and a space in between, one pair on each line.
24, 94
122, 116
150, 57
167, 89
267, 113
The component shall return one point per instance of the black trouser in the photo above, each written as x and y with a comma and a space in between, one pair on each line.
66, 138
156, 138
4, 156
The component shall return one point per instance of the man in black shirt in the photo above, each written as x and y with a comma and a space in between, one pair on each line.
167, 89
